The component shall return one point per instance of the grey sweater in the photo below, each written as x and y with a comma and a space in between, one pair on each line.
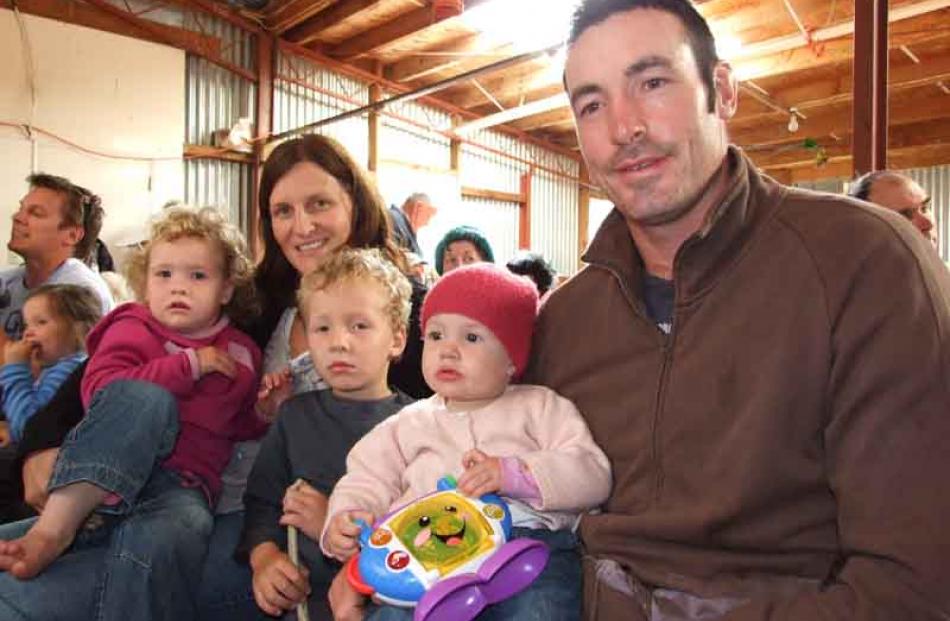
309, 440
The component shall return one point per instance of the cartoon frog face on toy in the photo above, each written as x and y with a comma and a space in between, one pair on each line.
443, 531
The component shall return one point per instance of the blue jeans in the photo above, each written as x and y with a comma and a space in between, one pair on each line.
142, 558
225, 592
554, 596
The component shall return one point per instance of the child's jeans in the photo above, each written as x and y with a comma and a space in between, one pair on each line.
554, 596
140, 559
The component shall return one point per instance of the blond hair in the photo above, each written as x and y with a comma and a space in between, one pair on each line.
365, 264
206, 224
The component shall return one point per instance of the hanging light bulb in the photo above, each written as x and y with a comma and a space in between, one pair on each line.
793, 122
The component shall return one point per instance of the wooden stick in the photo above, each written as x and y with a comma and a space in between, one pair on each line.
293, 551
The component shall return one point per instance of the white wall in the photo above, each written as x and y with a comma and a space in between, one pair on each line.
104, 92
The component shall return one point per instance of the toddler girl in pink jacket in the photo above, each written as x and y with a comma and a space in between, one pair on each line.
525, 443
194, 378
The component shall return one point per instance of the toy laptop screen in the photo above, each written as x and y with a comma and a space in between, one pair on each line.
444, 531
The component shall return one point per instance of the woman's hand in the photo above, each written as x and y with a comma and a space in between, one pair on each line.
305, 508
482, 474
278, 584
37, 470
17, 351
345, 603
275, 389
342, 538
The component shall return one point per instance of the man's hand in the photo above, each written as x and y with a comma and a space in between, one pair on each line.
213, 360
17, 351
278, 584
305, 508
342, 538
37, 470
482, 474
275, 389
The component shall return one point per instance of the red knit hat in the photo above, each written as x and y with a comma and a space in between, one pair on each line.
505, 303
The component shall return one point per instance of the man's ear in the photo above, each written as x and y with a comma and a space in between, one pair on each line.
727, 90
72, 235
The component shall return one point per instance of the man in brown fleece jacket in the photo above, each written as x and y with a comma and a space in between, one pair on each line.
767, 368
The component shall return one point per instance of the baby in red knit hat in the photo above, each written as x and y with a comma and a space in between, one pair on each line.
525, 443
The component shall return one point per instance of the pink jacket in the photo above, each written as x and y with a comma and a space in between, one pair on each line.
403, 457
214, 411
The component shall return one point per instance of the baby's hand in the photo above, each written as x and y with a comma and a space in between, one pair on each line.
482, 474
305, 508
213, 360
278, 584
342, 538
275, 389
17, 351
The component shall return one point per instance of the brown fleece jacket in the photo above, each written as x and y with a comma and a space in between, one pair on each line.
784, 452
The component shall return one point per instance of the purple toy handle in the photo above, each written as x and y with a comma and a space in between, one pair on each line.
508, 572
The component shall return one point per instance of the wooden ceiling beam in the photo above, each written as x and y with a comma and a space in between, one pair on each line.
903, 78
512, 84
899, 136
455, 54
840, 168
910, 32
310, 30
294, 12
401, 27
837, 120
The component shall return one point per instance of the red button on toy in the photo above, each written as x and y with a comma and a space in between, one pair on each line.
397, 560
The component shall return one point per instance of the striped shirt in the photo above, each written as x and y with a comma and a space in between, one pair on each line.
22, 396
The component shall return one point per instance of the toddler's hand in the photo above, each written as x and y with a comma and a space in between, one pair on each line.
275, 389
342, 538
17, 351
305, 508
278, 584
213, 360
482, 474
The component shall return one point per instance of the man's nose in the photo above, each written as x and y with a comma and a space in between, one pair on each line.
923, 222
625, 121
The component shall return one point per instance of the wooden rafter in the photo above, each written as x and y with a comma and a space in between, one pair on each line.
837, 119
445, 57
404, 26
308, 31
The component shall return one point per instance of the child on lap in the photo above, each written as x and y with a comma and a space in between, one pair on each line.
524, 442
191, 275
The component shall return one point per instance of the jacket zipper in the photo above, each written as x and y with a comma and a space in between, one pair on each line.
667, 345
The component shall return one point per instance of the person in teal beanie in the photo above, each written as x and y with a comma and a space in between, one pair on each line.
461, 246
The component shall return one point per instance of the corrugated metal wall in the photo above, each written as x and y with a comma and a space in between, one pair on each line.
215, 99
936, 181
415, 139
303, 94
225, 185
